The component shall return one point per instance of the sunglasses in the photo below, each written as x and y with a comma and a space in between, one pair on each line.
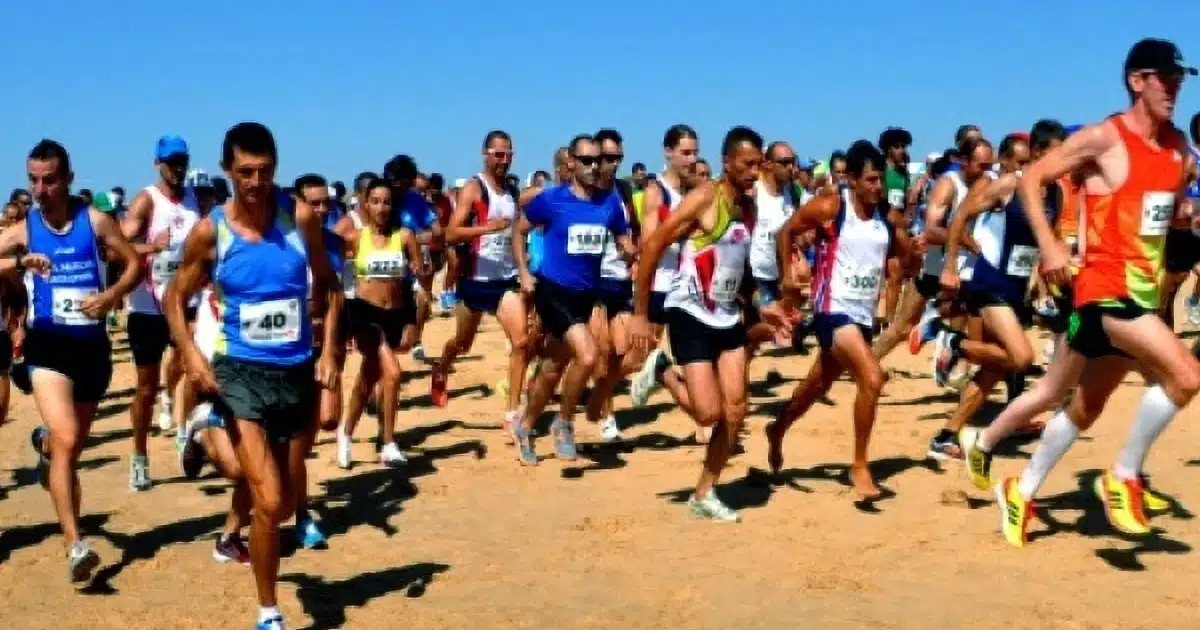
587, 161
501, 155
612, 158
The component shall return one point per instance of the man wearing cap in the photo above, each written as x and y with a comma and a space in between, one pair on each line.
1133, 168
157, 222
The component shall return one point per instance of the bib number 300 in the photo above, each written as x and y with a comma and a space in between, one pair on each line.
275, 321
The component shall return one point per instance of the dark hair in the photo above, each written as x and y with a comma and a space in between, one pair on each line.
736, 136
17, 192
339, 188
1195, 128
248, 137
119, 190
894, 136
436, 181
863, 153
47, 150
220, 189
837, 155
637, 166
703, 161
493, 135
962, 132
362, 179
544, 174
574, 145
372, 184
771, 148
966, 148
608, 134
1010, 142
940, 166
677, 133
309, 180
1044, 132
512, 181
400, 168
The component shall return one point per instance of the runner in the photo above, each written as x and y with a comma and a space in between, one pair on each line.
681, 148
852, 254
704, 318
894, 143
412, 211
996, 291
443, 205
577, 219
610, 317
774, 202
1134, 170
66, 345
384, 256
1183, 250
259, 255
157, 223
481, 227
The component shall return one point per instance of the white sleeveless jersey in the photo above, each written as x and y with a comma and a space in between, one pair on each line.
710, 274
668, 265
988, 232
612, 265
935, 256
208, 328
349, 281
176, 219
491, 254
773, 211
850, 263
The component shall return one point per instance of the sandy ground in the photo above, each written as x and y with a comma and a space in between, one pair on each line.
464, 537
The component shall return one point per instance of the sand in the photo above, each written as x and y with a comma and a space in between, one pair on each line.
464, 537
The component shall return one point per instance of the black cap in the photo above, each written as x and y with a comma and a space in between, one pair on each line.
1156, 54
893, 136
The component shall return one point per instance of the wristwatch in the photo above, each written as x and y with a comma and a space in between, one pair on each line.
18, 263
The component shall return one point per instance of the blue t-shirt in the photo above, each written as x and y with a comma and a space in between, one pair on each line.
535, 245
574, 233
414, 212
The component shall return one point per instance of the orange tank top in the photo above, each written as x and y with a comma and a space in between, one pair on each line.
1125, 231
1067, 225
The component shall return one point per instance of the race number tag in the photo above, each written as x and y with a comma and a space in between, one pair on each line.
498, 246
164, 266
861, 283
270, 322
386, 265
1157, 210
1022, 260
67, 306
725, 283
896, 198
587, 240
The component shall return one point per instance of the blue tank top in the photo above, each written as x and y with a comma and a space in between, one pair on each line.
261, 292
75, 274
1193, 189
1005, 272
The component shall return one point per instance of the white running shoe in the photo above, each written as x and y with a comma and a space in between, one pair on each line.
644, 382
609, 431
165, 420
343, 449
391, 455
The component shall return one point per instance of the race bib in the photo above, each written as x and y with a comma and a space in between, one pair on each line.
1022, 260
270, 322
498, 246
386, 265
860, 283
725, 283
586, 240
67, 306
896, 198
164, 266
1157, 210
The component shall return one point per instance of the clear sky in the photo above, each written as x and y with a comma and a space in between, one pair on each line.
344, 85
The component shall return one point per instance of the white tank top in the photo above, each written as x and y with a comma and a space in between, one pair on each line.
773, 211
207, 325
612, 266
710, 274
935, 256
983, 228
176, 219
850, 265
668, 265
492, 253
349, 284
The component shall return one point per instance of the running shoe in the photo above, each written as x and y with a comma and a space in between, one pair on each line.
139, 473
645, 382
1152, 500
525, 452
165, 420
309, 534
946, 357
944, 446
274, 623
81, 561
437, 388
925, 331
1122, 501
711, 508
391, 455
231, 548
609, 431
37, 438
418, 353
563, 433
1193, 310
1015, 512
511, 420
192, 457
979, 461
343, 449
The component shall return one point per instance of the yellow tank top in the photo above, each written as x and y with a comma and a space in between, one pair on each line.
380, 263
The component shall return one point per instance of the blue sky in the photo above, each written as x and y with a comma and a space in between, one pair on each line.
345, 85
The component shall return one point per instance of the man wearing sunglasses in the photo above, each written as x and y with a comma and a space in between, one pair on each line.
1133, 167
157, 223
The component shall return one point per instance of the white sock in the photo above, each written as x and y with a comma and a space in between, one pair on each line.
1156, 410
267, 613
164, 398
1059, 435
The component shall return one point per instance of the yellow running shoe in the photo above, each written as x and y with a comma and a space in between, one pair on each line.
1154, 502
1123, 504
979, 462
1015, 512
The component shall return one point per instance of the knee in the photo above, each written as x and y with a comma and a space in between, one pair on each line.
871, 383
707, 416
1022, 359
1187, 382
274, 509
587, 358
64, 445
389, 373
147, 386
735, 413
520, 342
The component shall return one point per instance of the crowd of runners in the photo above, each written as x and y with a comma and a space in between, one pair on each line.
243, 299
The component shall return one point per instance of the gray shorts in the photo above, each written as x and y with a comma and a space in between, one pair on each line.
280, 398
